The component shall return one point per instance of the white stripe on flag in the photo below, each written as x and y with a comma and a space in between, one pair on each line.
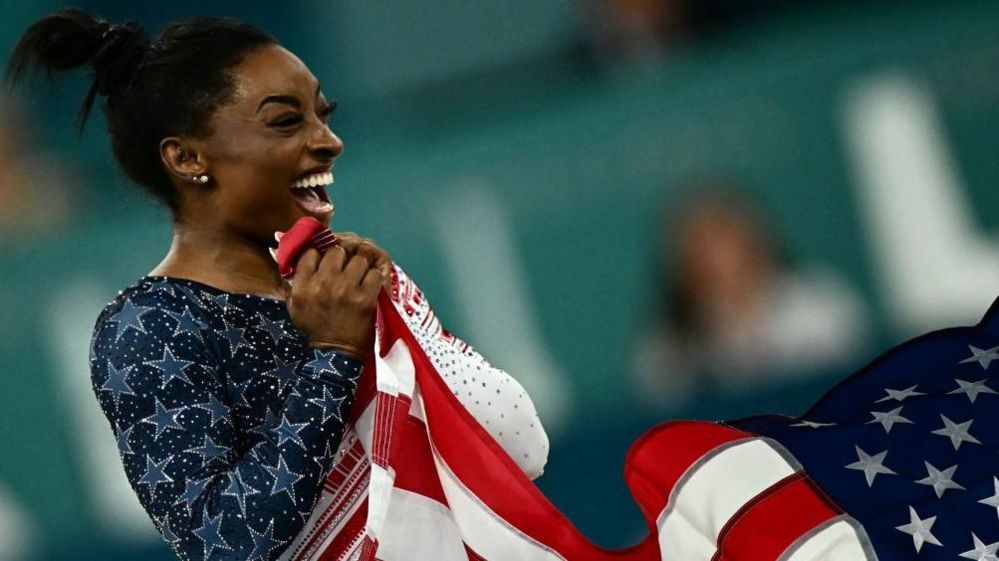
364, 427
419, 529
712, 490
839, 539
396, 372
379, 499
483, 530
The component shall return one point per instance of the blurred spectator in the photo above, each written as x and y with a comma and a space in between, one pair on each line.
34, 186
735, 315
636, 30
644, 31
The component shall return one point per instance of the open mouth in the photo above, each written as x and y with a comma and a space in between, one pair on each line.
309, 192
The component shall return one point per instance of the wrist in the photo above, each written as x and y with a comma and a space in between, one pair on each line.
349, 350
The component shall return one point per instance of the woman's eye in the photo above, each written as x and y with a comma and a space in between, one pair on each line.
286, 122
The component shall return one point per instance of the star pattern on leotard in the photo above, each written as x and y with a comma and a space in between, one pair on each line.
171, 367
283, 372
273, 328
193, 490
263, 543
329, 404
239, 490
284, 478
210, 534
208, 450
117, 382
186, 323
222, 425
155, 474
164, 418
288, 431
218, 410
129, 317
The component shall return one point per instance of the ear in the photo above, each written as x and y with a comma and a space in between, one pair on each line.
182, 158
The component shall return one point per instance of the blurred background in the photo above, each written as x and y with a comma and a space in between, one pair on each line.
643, 209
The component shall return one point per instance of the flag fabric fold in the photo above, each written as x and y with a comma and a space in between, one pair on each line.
897, 462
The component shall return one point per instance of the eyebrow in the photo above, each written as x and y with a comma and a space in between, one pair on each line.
288, 99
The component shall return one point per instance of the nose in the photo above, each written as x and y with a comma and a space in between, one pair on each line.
324, 143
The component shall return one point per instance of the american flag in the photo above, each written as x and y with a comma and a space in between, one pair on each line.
897, 462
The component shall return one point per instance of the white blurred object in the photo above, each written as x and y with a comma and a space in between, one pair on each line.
490, 286
17, 533
70, 319
805, 323
935, 267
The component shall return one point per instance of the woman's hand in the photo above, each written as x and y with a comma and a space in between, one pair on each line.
333, 299
376, 256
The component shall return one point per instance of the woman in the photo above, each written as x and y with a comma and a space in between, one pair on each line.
226, 388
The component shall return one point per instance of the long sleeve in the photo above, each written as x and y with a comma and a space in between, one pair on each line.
496, 399
161, 377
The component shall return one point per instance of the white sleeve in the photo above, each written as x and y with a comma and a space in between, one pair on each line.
493, 397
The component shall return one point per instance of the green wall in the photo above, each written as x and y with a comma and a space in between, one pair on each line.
573, 171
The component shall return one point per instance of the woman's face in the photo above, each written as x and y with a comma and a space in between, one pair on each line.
273, 134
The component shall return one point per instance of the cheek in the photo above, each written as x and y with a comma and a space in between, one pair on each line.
255, 174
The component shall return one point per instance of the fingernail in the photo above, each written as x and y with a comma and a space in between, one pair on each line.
277, 236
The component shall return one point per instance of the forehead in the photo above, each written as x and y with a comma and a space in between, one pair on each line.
273, 70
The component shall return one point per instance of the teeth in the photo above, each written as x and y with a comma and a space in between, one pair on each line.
313, 180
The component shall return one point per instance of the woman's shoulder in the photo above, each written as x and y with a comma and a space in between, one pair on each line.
150, 297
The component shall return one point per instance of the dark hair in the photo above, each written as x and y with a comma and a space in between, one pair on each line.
153, 89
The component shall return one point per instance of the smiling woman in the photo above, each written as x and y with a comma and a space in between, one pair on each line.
226, 387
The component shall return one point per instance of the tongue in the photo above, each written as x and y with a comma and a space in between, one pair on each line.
309, 200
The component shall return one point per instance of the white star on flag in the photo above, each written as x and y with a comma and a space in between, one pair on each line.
957, 432
889, 419
872, 466
982, 552
993, 501
899, 395
939, 480
983, 358
972, 389
919, 529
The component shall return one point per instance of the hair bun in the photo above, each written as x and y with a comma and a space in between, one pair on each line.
123, 47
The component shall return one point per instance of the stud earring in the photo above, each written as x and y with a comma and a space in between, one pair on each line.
202, 179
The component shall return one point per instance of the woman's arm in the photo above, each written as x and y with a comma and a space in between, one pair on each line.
498, 402
161, 388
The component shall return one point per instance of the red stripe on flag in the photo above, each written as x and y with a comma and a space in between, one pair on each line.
348, 535
472, 556
484, 468
764, 528
414, 462
664, 453
391, 413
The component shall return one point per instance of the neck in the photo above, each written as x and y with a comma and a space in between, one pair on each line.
230, 262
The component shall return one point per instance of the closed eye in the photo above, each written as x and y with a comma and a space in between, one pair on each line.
284, 123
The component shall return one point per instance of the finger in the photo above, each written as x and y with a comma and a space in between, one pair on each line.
372, 282
375, 256
356, 269
349, 242
306, 265
333, 261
